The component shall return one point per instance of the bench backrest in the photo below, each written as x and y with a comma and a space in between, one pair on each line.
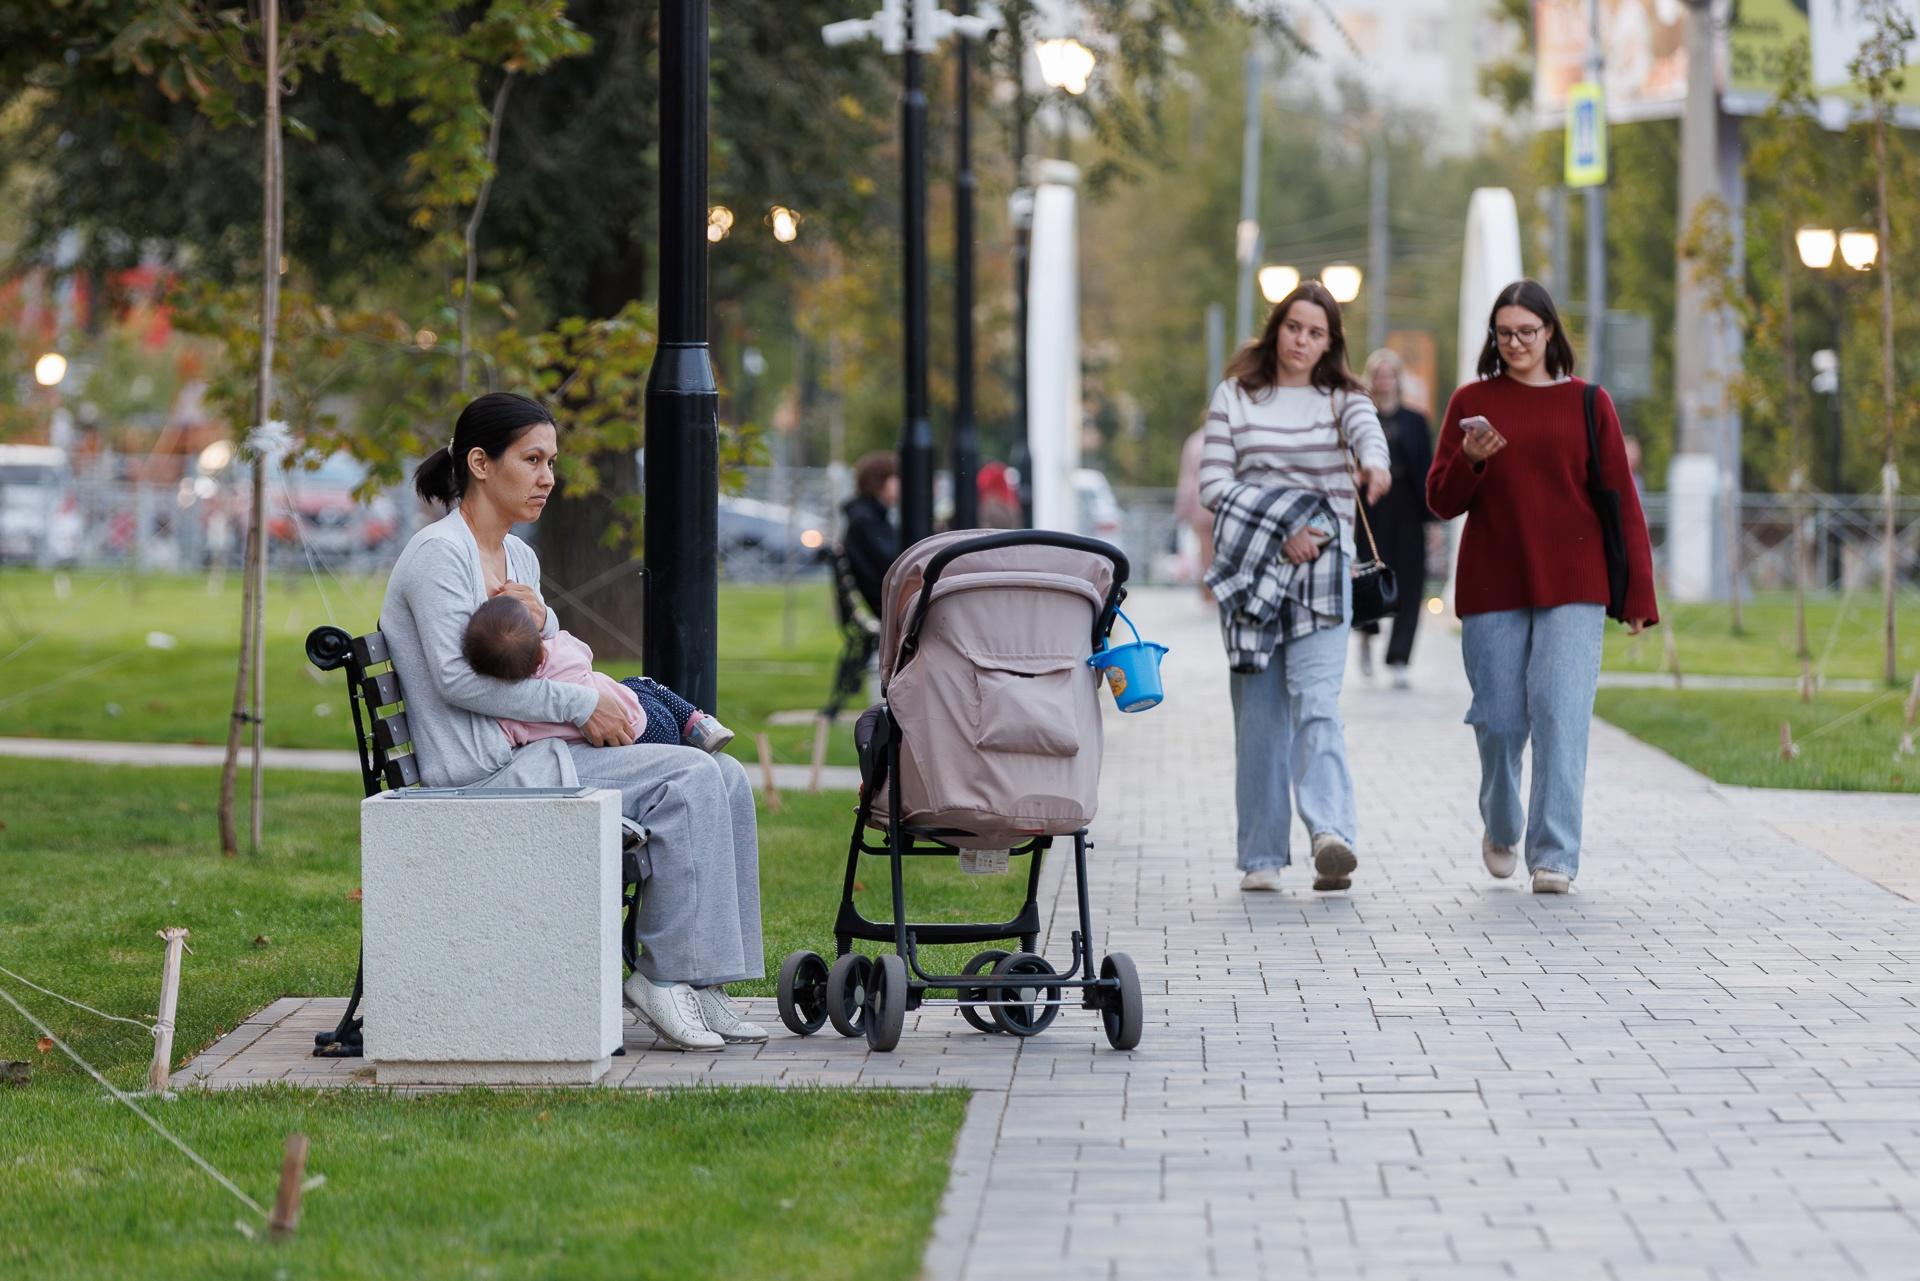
387, 760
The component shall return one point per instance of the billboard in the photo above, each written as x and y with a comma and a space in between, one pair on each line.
1646, 49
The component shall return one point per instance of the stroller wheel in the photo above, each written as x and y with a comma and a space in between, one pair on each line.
886, 1003
1121, 1010
981, 962
847, 992
1027, 1017
803, 993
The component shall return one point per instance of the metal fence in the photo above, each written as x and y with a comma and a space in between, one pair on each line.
783, 523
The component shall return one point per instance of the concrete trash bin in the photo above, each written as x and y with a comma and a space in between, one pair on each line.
491, 923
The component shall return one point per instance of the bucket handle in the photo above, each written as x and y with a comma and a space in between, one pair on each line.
1106, 642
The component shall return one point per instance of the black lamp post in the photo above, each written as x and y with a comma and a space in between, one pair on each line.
965, 461
683, 416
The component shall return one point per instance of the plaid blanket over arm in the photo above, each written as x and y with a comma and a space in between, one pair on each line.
1265, 599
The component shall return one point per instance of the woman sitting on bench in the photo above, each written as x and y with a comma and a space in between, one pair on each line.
699, 925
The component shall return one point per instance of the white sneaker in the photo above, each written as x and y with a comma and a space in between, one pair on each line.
1498, 858
716, 1008
1333, 862
1400, 680
1548, 881
1262, 878
672, 1012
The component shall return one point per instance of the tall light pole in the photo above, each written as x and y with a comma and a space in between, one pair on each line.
683, 402
965, 446
1247, 232
912, 36
1596, 221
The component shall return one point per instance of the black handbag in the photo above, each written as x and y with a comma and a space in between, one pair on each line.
1606, 505
1376, 589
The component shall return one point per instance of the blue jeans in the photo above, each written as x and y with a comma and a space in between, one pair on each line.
1288, 740
1533, 673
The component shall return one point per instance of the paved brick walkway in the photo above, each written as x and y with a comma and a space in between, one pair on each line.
1701, 1065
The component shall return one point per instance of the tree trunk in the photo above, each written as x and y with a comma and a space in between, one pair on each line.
1889, 477
595, 589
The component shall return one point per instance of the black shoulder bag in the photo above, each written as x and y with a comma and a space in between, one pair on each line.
1606, 505
1376, 590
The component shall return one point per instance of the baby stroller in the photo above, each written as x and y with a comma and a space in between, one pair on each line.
987, 737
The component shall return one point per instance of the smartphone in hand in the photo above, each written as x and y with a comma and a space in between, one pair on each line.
1475, 423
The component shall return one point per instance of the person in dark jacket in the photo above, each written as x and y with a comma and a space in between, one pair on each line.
1400, 519
871, 541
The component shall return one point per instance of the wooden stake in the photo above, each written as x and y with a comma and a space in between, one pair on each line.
1788, 748
176, 937
286, 1203
1672, 653
767, 786
1913, 701
820, 727
1806, 680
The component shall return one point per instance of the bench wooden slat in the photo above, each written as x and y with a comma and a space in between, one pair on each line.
391, 732
382, 690
370, 649
402, 771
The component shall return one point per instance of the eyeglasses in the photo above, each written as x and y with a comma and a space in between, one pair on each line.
1523, 336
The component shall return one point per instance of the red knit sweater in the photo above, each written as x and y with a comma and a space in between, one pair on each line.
1533, 538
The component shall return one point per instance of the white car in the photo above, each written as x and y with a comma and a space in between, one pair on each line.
1096, 510
39, 511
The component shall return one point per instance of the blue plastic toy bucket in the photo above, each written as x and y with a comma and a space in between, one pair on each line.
1132, 671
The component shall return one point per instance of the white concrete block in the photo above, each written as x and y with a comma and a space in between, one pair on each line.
492, 934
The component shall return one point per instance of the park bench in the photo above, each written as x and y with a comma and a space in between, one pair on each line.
390, 765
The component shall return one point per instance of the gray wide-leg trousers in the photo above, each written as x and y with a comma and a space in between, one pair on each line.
700, 911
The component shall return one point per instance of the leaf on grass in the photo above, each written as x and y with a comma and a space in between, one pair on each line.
261, 940
44, 1045
353, 895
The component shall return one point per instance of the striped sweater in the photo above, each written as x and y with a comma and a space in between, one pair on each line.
1285, 437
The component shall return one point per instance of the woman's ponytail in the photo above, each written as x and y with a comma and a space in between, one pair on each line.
433, 479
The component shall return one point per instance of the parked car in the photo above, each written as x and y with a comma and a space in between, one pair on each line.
334, 523
40, 519
757, 537
1096, 509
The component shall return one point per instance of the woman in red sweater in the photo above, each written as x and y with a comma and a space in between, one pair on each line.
1531, 589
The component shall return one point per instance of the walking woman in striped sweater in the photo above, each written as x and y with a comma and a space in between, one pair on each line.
1276, 422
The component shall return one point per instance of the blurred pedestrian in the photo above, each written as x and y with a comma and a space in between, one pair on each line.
1532, 589
999, 487
1399, 521
1277, 470
1188, 510
871, 541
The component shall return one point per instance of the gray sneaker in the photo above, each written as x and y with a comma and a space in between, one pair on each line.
1262, 879
708, 734
672, 1012
716, 1007
1333, 862
1499, 859
1548, 881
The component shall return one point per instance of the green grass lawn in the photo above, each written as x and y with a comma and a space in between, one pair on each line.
1843, 635
94, 859
88, 666
1733, 736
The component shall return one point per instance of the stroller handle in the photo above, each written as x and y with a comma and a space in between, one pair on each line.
910, 639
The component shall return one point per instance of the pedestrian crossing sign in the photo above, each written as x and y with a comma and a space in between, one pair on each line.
1586, 135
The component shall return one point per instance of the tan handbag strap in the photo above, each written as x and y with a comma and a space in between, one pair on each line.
1353, 473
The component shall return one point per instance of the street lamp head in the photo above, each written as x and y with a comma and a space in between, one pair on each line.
1342, 280
785, 223
719, 223
1816, 246
1277, 282
50, 370
1859, 249
1065, 63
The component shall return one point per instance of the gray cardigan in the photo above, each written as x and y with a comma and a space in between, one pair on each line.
452, 710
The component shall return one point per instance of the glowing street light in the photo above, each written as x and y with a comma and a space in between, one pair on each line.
785, 223
1342, 280
50, 370
1816, 246
1277, 282
719, 223
1065, 63
1859, 249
